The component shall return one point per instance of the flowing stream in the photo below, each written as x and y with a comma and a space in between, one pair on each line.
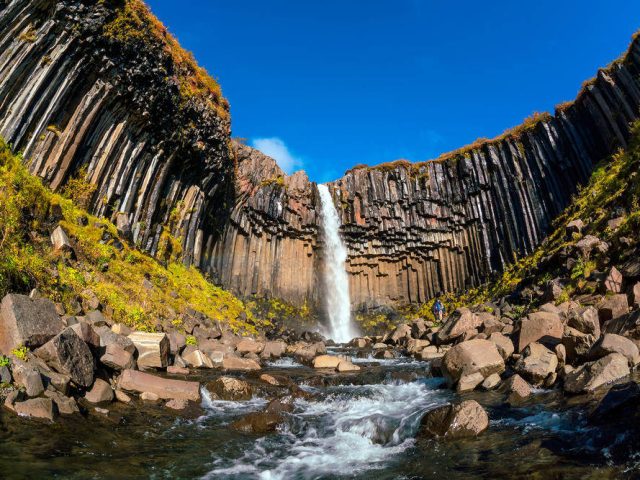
363, 425
336, 281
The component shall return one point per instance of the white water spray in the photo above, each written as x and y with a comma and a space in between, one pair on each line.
335, 279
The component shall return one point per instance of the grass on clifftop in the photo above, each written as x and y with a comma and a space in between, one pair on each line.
114, 271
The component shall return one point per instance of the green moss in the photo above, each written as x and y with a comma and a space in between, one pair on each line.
20, 352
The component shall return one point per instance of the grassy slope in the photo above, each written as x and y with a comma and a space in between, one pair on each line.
29, 212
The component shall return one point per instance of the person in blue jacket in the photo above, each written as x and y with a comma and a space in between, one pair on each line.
438, 310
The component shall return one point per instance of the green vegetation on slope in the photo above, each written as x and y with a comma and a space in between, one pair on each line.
103, 265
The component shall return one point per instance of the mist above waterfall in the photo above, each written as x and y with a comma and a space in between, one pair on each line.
335, 278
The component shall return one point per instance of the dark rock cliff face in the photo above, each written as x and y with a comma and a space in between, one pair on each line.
74, 99
98, 88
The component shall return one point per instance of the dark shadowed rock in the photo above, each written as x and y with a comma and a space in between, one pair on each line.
28, 378
591, 376
258, 423
66, 405
465, 419
67, 353
31, 322
620, 405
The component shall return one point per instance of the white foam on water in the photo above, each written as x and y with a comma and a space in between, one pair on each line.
353, 429
285, 362
222, 408
394, 362
336, 280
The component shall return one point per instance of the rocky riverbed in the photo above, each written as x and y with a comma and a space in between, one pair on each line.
302, 407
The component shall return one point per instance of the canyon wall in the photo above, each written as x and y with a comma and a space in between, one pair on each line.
98, 90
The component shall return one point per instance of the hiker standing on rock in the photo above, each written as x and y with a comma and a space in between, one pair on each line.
438, 310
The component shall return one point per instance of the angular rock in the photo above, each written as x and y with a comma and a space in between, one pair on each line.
177, 404
68, 354
467, 383
248, 345
431, 352
613, 282
165, 388
28, 378
66, 405
517, 389
60, 240
613, 307
175, 370
612, 343
274, 349
347, 366
465, 419
27, 321
491, 382
197, 359
258, 423
231, 362
576, 344
230, 388
36, 408
326, 361
149, 397
461, 320
117, 357
585, 320
177, 342
107, 337
87, 334
503, 344
153, 349
400, 334
122, 397
590, 376
470, 357
537, 363
542, 327
101, 392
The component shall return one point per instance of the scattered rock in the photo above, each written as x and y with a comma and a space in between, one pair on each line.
270, 379
612, 343
543, 327
613, 307
122, 397
347, 366
257, 422
175, 370
400, 334
585, 320
153, 349
60, 240
149, 397
177, 404
461, 320
36, 408
588, 377
117, 357
491, 382
230, 388
470, 357
248, 345
197, 359
236, 363
68, 354
28, 378
31, 322
613, 282
537, 363
165, 388
274, 349
517, 389
66, 405
101, 392
465, 419
326, 361
503, 344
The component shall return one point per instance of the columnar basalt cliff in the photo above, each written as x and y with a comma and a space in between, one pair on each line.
415, 230
99, 90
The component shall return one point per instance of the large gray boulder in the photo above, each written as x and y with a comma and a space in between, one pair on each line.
542, 327
31, 322
465, 419
612, 343
66, 353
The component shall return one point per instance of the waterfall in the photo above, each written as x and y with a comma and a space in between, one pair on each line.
335, 278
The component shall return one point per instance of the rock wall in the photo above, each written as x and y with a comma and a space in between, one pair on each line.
98, 89
415, 230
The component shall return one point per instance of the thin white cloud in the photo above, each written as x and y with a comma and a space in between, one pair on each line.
278, 150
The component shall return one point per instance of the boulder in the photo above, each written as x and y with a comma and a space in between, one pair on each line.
613, 307
418, 329
177, 404
619, 405
121, 329
613, 282
542, 327
101, 392
165, 388
400, 334
107, 337
229, 388
66, 353
176, 370
177, 341
415, 346
491, 382
470, 357
36, 408
503, 344
585, 320
588, 244
576, 344
465, 419
231, 362
31, 322
66, 405
195, 358
536, 363
60, 240
306, 351
460, 321
153, 349
87, 334
149, 397
117, 357
248, 345
590, 376
431, 352
612, 343
469, 382
258, 423
28, 378
274, 349
326, 361
347, 366
516, 388
574, 226
122, 397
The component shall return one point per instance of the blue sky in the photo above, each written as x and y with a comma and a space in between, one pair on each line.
327, 85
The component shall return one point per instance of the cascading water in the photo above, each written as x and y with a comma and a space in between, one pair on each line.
335, 279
